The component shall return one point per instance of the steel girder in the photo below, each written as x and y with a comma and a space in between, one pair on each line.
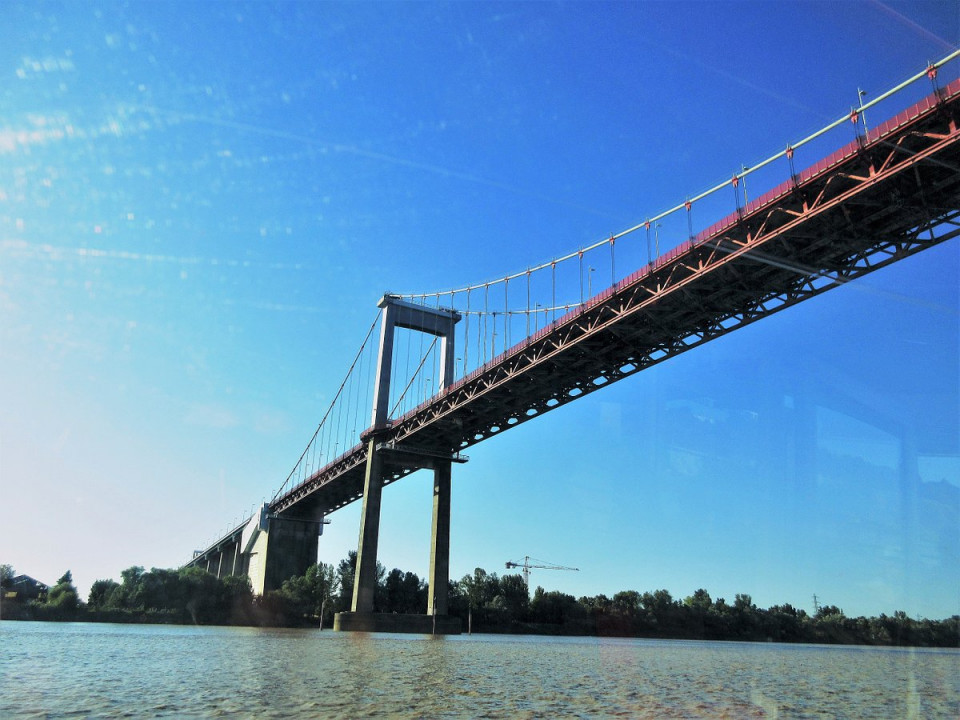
883, 201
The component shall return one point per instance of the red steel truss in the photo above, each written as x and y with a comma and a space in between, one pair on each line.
875, 201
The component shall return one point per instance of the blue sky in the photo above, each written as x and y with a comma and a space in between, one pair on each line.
200, 205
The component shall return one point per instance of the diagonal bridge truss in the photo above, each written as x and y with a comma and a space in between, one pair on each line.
893, 192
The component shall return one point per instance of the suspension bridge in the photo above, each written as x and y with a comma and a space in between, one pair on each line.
452, 368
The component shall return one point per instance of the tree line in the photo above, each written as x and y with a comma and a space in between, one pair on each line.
502, 604
485, 602
187, 595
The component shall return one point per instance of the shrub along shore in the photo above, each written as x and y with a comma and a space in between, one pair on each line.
485, 602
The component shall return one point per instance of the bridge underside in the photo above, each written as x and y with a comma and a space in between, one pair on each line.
870, 204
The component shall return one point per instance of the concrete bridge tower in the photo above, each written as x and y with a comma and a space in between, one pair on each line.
440, 323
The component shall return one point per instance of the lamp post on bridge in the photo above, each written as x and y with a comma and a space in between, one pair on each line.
861, 94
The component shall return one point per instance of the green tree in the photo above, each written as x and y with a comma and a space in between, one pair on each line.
129, 595
63, 595
514, 597
6, 576
555, 607
697, 608
404, 592
201, 595
322, 579
131, 576
345, 575
598, 604
479, 589
236, 600
786, 623
628, 603
310, 593
745, 617
700, 600
100, 593
380, 589
161, 589
345, 572
414, 593
827, 610
457, 602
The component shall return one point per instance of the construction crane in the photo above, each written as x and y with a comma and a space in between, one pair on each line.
527, 567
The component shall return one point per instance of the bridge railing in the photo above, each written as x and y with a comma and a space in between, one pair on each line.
519, 304
531, 303
755, 207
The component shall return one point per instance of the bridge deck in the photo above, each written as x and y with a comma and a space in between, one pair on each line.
869, 204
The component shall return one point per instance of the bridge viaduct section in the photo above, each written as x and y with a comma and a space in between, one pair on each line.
882, 198
268, 548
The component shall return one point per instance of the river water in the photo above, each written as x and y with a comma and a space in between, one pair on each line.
102, 670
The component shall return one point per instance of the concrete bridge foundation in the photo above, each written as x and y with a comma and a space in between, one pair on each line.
397, 623
276, 548
269, 549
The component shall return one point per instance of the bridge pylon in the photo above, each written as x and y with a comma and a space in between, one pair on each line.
267, 547
439, 322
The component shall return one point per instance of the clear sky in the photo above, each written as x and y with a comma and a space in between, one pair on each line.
201, 203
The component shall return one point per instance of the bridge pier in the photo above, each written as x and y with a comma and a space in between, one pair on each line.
396, 623
439, 578
268, 548
365, 576
362, 617
285, 547
903, 206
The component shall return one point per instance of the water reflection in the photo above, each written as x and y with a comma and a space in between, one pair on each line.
155, 671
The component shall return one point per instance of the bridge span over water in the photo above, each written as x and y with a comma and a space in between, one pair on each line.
891, 192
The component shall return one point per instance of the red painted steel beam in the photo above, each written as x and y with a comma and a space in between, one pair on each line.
863, 207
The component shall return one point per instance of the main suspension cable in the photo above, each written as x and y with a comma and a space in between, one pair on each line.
326, 415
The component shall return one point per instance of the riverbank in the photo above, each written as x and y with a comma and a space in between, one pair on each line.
484, 603
883, 631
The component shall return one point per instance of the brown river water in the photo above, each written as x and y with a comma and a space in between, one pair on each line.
98, 670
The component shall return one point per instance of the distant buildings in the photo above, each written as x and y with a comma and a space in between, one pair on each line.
24, 587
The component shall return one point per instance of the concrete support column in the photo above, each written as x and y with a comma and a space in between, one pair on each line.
398, 313
365, 577
287, 548
440, 541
